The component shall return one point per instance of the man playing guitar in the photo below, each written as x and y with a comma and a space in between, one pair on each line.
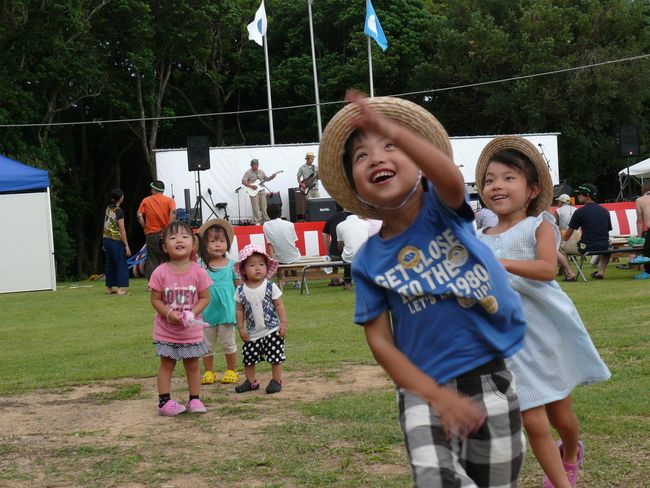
254, 180
308, 177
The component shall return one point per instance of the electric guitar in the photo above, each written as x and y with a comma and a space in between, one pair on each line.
259, 184
308, 183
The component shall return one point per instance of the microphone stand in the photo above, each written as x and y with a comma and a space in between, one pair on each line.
548, 162
238, 206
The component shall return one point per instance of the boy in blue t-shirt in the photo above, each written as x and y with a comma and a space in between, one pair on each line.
436, 306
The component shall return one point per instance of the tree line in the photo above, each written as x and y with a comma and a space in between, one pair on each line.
142, 62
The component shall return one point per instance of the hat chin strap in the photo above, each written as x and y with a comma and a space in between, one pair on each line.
403, 202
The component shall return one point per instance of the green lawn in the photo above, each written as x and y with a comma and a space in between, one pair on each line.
78, 335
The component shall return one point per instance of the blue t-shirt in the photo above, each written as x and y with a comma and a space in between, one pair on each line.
451, 304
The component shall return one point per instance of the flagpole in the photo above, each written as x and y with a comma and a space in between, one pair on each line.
313, 62
268, 89
372, 90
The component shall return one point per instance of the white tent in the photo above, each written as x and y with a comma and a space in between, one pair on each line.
27, 247
635, 173
640, 170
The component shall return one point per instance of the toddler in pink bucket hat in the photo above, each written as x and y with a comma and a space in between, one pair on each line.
249, 250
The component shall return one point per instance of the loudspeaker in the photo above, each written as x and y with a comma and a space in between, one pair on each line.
198, 153
296, 205
320, 209
627, 141
274, 198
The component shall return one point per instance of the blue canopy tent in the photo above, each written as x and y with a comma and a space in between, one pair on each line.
27, 250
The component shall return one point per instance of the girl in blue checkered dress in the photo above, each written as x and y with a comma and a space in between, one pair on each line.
558, 354
261, 318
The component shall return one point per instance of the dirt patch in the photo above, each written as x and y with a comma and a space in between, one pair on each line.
81, 436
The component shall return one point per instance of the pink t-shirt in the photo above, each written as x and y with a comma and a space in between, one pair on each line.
180, 291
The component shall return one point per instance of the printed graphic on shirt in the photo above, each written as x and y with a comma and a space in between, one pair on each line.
180, 298
442, 270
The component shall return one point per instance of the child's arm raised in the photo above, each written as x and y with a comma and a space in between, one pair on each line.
545, 266
436, 165
459, 414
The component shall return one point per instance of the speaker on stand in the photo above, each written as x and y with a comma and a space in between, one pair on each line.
198, 153
627, 144
198, 159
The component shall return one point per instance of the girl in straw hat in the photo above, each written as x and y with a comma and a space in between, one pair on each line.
215, 238
513, 180
437, 310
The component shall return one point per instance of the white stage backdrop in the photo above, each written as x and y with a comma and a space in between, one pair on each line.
228, 165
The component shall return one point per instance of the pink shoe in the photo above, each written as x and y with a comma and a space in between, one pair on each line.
570, 469
196, 406
171, 409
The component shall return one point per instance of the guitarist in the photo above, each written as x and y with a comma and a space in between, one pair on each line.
308, 177
258, 201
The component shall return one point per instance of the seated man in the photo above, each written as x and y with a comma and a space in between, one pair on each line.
330, 241
351, 234
642, 225
281, 238
595, 223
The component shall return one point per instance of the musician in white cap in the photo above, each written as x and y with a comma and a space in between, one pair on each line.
308, 177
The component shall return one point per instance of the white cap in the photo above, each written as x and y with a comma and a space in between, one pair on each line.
564, 198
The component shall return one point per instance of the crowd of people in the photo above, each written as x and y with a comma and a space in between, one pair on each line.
466, 317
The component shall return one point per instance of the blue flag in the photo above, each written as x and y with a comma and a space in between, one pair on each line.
373, 29
257, 28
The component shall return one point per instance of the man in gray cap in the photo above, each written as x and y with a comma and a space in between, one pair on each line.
254, 180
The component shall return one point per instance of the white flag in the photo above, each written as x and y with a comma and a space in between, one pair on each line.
257, 28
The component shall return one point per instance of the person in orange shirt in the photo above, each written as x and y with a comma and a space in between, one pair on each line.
155, 213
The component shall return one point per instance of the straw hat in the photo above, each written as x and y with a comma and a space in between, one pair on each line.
502, 143
337, 132
310, 155
221, 222
249, 250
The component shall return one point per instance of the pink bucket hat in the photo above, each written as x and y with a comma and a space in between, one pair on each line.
246, 252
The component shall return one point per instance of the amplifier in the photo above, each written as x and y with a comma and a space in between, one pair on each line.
296, 205
274, 198
318, 209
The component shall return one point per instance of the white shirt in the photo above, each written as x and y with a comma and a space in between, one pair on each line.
353, 233
564, 214
486, 218
255, 297
281, 234
374, 225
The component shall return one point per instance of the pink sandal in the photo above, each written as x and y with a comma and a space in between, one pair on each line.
171, 409
196, 406
570, 469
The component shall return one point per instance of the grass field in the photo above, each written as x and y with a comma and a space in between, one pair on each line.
330, 427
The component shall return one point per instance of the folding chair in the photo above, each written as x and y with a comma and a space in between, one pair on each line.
578, 264
608, 252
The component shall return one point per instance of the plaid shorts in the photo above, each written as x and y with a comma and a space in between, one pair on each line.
490, 457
